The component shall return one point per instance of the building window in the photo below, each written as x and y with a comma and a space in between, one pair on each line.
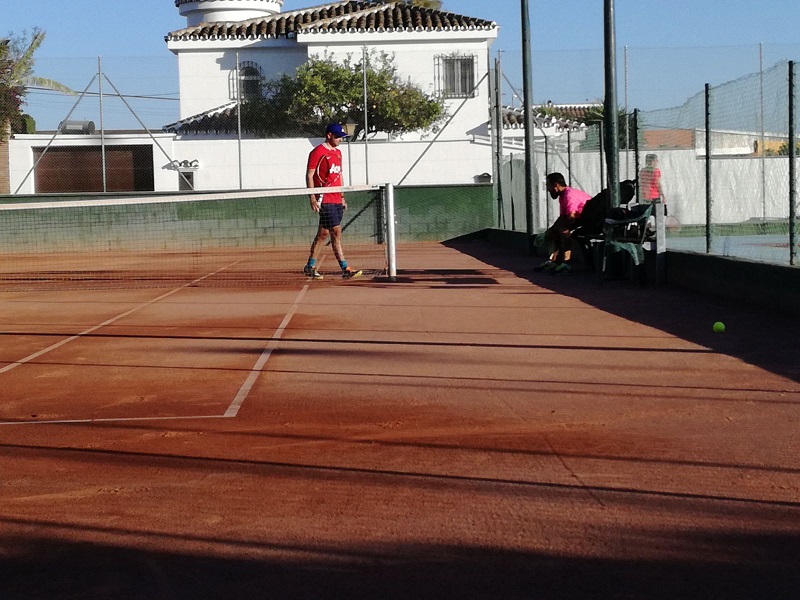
186, 182
252, 80
455, 76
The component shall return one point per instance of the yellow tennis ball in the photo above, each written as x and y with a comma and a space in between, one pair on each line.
719, 327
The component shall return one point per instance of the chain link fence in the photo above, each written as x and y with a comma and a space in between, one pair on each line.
723, 152
134, 125
723, 155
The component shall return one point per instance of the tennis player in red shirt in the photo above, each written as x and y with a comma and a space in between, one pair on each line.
325, 170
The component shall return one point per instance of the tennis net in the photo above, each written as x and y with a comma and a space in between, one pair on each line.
208, 239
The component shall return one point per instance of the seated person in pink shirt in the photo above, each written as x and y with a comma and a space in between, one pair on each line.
570, 203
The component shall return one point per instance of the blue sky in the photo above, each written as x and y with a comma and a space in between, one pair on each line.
674, 46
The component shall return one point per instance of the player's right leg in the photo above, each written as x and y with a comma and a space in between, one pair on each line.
310, 269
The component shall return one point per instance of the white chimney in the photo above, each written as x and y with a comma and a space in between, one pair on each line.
211, 11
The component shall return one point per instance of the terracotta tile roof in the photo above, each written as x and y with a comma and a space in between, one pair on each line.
560, 115
337, 17
222, 119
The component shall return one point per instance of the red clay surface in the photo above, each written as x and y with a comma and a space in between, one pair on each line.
473, 430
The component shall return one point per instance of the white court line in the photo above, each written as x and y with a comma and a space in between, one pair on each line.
244, 391
29, 358
109, 420
235, 405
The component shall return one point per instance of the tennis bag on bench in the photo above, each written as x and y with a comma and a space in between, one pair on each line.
590, 222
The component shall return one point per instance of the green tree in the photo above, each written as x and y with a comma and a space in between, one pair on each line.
596, 115
16, 77
324, 91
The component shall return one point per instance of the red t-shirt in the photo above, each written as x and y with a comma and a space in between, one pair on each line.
650, 180
326, 163
571, 201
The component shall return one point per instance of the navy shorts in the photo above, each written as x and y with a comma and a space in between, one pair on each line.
330, 215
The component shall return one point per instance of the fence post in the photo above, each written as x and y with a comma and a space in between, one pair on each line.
498, 126
527, 92
569, 154
792, 191
708, 167
636, 151
546, 173
512, 195
603, 162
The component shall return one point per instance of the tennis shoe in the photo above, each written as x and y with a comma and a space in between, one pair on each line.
562, 269
312, 272
545, 267
350, 274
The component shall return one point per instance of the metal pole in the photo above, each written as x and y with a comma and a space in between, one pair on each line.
364, 67
391, 242
761, 119
792, 188
569, 155
708, 168
239, 117
603, 181
512, 195
610, 111
547, 171
527, 92
636, 151
102, 126
627, 123
349, 163
498, 126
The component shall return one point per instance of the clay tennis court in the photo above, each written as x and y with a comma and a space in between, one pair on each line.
473, 430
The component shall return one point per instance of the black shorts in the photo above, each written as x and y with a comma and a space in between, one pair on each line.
330, 215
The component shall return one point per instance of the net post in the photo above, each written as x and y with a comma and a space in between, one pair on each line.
391, 240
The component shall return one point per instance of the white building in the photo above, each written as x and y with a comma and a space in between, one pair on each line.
231, 41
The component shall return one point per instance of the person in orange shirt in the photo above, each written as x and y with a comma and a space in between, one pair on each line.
650, 181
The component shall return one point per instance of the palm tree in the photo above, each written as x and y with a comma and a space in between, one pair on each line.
16, 77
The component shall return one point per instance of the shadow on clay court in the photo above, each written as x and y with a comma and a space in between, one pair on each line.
37, 565
755, 335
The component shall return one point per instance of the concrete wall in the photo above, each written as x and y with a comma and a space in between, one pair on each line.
769, 286
181, 226
274, 164
439, 213
207, 78
775, 287
4, 168
5, 181
743, 187
423, 213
